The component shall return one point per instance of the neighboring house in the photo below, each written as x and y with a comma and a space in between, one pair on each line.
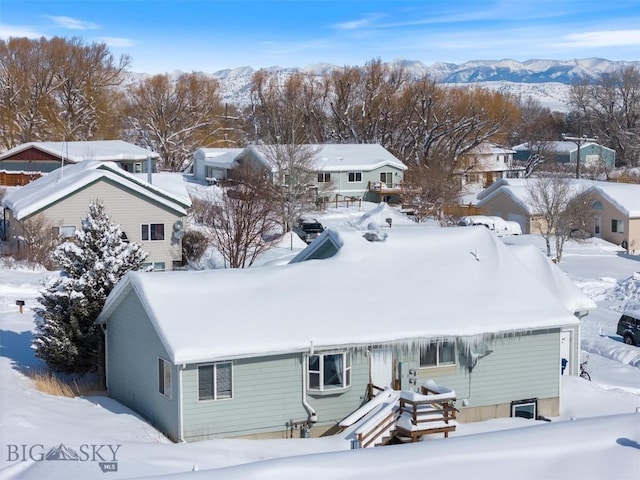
592, 155
48, 156
212, 165
146, 213
359, 171
510, 200
616, 213
486, 164
262, 352
615, 208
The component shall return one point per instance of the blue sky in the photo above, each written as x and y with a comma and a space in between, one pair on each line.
210, 35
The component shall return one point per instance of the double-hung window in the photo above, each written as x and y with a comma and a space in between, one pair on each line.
215, 381
617, 226
324, 177
354, 177
152, 231
164, 377
329, 371
386, 178
437, 354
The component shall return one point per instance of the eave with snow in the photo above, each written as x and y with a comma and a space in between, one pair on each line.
62, 197
423, 304
47, 156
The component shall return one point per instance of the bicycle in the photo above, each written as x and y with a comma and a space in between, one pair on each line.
583, 372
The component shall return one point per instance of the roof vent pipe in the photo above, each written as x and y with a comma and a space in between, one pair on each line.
149, 169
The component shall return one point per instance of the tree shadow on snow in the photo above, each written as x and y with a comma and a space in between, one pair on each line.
17, 347
627, 442
628, 256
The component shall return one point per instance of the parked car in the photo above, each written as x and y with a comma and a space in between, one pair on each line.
308, 229
629, 329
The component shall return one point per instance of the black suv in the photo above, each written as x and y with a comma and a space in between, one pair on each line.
629, 329
308, 229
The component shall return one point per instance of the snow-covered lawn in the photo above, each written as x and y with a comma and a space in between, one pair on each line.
597, 434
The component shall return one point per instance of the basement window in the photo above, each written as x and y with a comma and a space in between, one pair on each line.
525, 408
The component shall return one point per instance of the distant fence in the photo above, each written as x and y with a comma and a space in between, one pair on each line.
461, 210
16, 179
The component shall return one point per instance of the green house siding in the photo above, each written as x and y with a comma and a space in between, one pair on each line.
267, 395
133, 349
520, 367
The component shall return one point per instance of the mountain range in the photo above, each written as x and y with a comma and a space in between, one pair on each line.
546, 80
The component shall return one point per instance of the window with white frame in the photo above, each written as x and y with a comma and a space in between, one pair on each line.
329, 371
154, 266
64, 231
164, 377
437, 354
152, 231
354, 177
617, 226
525, 408
215, 381
324, 177
137, 167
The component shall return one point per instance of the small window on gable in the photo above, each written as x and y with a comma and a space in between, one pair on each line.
152, 231
597, 205
164, 377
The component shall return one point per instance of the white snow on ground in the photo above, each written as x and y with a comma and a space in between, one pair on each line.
596, 436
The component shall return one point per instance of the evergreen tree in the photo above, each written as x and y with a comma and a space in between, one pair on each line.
66, 337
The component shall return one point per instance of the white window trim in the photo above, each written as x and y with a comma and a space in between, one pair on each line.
438, 364
346, 373
148, 225
166, 366
619, 226
525, 403
215, 382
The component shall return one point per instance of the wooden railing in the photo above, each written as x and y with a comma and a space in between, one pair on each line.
427, 413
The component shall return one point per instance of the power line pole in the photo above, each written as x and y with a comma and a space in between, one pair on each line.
578, 141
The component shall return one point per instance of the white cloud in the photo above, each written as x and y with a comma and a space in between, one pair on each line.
605, 38
117, 42
368, 21
7, 31
73, 23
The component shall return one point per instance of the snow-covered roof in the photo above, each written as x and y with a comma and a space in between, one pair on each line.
553, 278
344, 157
101, 150
625, 196
218, 157
419, 282
64, 181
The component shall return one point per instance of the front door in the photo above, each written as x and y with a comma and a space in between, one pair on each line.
597, 228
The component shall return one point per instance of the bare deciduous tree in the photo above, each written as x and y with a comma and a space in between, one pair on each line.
609, 108
174, 117
56, 89
562, 207
242, 222
37, 240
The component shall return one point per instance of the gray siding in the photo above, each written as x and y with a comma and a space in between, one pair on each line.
133, 348
267, 393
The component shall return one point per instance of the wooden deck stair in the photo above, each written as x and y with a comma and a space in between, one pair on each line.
402, 415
